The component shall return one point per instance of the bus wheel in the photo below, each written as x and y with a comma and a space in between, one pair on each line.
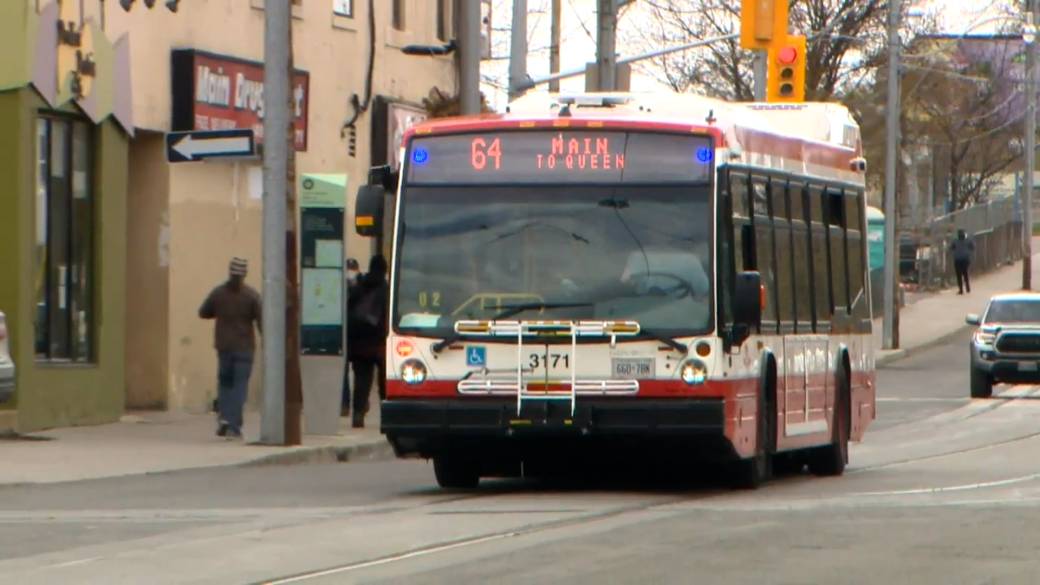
753, 472
832, 459
455, 473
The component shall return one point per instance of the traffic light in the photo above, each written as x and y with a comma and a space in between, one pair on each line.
786, 77
763, 23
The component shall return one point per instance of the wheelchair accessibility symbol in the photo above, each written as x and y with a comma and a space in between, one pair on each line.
476, 356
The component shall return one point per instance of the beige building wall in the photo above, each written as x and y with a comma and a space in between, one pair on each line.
148, 261
195, 216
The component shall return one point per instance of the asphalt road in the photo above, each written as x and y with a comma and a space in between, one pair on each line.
943, 490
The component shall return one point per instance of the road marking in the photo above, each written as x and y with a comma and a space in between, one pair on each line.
76, 562
953, 488
391, 559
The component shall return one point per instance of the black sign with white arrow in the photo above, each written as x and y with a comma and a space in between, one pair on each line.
203, 144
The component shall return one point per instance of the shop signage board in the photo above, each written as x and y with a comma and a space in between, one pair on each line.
218, 92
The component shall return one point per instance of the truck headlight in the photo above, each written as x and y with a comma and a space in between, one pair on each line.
985, 338
693, 372
413, 372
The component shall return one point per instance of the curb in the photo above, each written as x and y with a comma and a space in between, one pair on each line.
901, 354
377, 449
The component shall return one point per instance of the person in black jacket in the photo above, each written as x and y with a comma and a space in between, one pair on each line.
366, 335
963, 249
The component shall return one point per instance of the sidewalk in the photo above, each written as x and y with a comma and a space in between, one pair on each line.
936, 317
156, 442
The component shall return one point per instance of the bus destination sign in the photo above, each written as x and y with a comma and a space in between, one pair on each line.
555, 157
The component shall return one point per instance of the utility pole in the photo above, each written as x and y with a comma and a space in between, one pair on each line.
518, 49
1029, 37
606, 45
276, 126
469, 56
760, 67
554, 44
890, 338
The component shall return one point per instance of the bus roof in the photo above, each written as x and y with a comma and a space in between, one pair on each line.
816, 139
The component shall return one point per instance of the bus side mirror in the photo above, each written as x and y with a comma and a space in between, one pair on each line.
747, 306
368, 211
383, 176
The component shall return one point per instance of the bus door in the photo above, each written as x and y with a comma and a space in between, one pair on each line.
805, 386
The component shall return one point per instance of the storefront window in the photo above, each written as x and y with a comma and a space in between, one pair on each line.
64, 241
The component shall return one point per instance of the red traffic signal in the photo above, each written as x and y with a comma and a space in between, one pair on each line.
787, 55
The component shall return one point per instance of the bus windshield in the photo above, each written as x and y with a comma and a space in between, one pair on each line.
622, 252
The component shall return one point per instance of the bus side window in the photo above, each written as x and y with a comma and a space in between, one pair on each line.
725, 261
738, 192
783, 250
743, 240
837, 250
801, 256
820, 259
854, 238
764, 249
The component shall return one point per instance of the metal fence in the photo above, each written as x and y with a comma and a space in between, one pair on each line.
996, 228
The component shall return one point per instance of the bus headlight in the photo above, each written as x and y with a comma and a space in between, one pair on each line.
693, 372
413, 372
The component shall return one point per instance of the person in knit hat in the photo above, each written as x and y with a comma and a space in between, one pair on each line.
236, 308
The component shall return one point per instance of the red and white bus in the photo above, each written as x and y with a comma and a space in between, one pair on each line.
640, 274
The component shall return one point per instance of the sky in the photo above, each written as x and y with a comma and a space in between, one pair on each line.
579, 30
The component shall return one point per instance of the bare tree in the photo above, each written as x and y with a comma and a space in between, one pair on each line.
968, 107
841, 34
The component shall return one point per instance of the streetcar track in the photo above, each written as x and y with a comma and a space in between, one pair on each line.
989, 409
472, 541
945, 454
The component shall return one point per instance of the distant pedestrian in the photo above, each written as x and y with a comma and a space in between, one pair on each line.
366, 335
236, 307
963, 249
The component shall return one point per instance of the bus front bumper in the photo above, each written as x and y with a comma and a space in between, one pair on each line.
422, 427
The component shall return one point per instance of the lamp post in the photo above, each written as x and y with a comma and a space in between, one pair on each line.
1029, 38
890, 338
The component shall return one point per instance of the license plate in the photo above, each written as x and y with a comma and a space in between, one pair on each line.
1026, 366
632, 368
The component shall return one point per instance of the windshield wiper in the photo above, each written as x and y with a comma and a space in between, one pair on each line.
676, 345
509, 311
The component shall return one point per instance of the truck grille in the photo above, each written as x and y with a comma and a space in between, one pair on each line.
1019, 343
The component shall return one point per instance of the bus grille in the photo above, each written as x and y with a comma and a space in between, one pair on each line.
1019, 343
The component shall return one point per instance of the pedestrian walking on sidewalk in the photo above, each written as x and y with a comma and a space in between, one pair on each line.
236, 307
366, 335
963, 249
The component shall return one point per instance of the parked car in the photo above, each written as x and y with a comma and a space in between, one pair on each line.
6, 363
1006, 346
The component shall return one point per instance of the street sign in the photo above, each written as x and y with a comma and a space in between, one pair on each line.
203, 144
